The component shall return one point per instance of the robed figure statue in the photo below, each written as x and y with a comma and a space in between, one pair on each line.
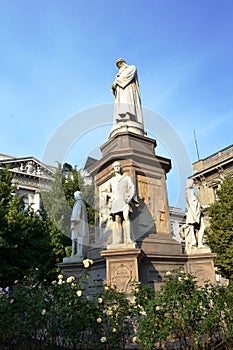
125, 88
79, 227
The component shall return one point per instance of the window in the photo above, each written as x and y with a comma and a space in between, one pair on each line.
215, 188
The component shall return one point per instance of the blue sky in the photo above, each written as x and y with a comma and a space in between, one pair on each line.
58, 58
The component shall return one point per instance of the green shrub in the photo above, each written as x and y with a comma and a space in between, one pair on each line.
184, 314
60, 315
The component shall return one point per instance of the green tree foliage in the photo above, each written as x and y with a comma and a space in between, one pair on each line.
25, 242
58, 203
72, 182
220, 234
58, 210
5, 197
37, 240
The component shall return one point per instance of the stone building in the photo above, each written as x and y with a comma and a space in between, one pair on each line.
177, 219
209, 172
31, 177
207, 175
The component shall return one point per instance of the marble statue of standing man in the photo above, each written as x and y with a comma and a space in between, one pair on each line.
79, 227
125, 88
194, 216
119, 193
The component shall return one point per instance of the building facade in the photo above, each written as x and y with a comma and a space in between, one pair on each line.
31, 177
209, 172
177, 219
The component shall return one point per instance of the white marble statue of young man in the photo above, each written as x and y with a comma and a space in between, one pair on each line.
120, 192
79, 227
125, 88
194, 216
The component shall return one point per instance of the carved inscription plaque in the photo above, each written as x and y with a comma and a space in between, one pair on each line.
121, 276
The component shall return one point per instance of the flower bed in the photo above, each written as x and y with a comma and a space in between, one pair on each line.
60, 315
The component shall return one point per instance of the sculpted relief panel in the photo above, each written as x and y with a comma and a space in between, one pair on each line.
150, 192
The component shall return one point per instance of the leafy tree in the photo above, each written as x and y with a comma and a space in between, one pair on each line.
58, 210
74, 182
25, 242
70, 184
58, 203
5, 196
220, 233
29, 239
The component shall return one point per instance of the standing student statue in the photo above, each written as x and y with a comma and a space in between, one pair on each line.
195, 225
119, 194
125, 88
79, 227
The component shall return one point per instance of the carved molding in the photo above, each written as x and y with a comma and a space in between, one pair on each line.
30, 167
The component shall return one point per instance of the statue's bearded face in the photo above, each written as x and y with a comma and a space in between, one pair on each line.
120, 64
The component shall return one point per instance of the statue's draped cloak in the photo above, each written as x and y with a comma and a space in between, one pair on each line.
127, 96
193, 207
79, 221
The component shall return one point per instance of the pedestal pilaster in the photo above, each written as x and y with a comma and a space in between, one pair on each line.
201, 265
122, 268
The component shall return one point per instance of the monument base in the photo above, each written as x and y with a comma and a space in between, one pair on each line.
149, 263
96, 274
74, 258
201, 265
122, 268
121, 246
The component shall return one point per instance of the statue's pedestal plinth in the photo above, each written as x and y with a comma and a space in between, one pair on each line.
122, 268
131, 126
74, 258
201, 265
96, 273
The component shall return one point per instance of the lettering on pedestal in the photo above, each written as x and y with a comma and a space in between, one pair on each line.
121, 277
204, 273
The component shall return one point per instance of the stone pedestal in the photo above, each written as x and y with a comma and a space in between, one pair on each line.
161, 253
96, 272
131, 126
201, 265
122, 268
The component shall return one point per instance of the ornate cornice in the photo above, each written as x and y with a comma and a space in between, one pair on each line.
29, 167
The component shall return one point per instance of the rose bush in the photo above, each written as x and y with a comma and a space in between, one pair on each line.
61, 315
184, 315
